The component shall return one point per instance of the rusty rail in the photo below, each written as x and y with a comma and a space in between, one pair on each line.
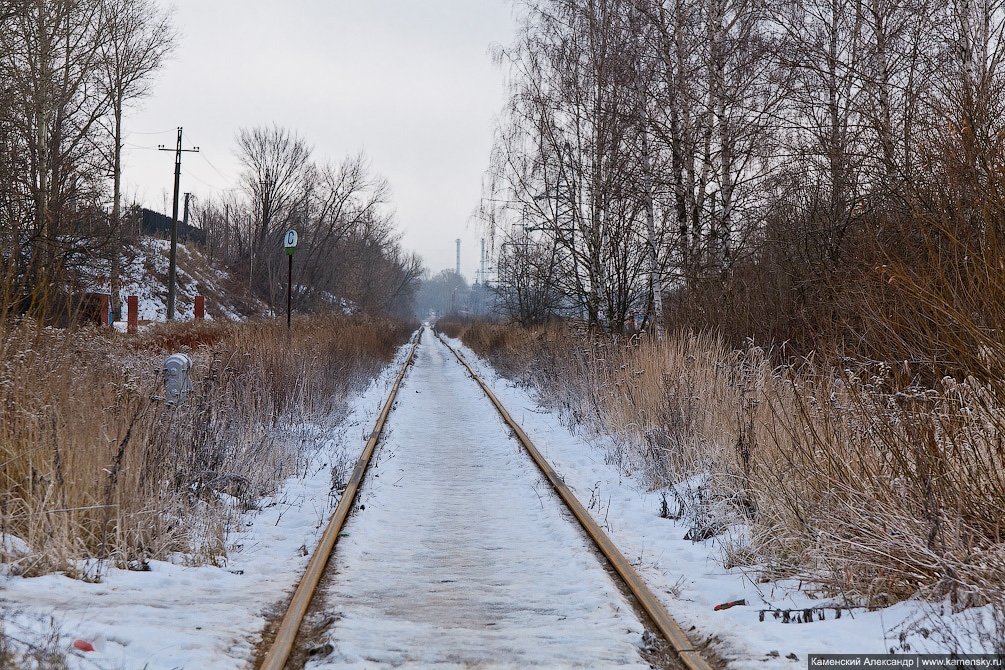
282, 646
669, 628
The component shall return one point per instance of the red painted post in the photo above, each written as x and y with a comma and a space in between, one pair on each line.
103, 309
200, 307
133, 307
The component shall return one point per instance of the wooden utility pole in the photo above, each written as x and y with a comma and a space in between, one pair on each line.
172, 268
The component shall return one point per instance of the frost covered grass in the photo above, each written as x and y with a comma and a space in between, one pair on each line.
24, 647
851, 478
96, 468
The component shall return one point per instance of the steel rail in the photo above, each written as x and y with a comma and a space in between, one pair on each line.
282, 646
669, 628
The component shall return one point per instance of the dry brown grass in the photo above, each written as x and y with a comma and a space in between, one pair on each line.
670, 403
868, 491
95, 464
887, 493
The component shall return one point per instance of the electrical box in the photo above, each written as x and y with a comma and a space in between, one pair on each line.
177, 383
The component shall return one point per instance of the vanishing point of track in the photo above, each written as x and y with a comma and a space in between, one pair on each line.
282, 646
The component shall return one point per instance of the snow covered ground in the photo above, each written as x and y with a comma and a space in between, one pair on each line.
498, 564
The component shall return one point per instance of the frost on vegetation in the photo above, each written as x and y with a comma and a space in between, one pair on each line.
865, 484
940, 627
114, 476
29, 643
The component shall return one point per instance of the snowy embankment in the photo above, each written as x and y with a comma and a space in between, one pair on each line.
144, 274
174, 616
210, 617
689, 576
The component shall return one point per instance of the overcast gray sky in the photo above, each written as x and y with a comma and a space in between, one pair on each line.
409, 82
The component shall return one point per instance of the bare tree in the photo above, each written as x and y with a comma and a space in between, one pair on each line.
344, 198
138, 38
526, 290
277, 174
348, 248
723, 149
276, 166
572, 111
649, 127
49, 70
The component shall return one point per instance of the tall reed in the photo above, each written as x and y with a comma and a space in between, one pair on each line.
96, 464
867, 490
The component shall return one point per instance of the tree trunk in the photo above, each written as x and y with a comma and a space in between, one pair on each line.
116, 251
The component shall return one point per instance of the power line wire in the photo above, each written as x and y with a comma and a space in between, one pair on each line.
220, 172
156, 132
203, 181
131, 146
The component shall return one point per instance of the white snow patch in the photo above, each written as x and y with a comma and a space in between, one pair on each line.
14, 546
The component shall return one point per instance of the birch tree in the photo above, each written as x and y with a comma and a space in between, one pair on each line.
51, 50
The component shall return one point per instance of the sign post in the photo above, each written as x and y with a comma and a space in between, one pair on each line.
290, 244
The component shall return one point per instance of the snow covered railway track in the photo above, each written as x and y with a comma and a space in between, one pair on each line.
282, 646
653, 608
442, 569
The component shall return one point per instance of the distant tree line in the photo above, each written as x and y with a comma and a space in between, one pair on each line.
448, 293
758, 166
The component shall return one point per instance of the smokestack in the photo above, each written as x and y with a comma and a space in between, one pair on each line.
483, 261
458, 256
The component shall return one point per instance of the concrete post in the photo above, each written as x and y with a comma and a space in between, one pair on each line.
104, 310
133, 312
